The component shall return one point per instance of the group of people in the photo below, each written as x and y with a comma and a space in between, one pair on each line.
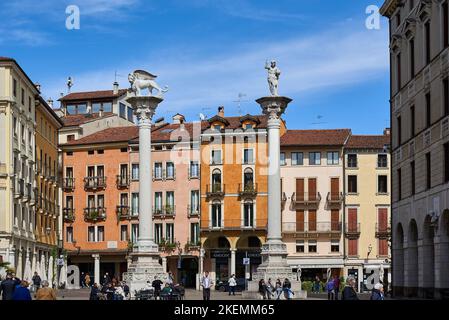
110, 289
349, 291
268, 291
12, 288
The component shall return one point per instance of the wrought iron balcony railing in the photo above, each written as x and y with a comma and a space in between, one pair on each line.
248, 189
383, 230
69, 214
334, 198
306, 198
123, 212
94, 183
95, 214
193, 211
352, 230
122, 181
234, 224
167, 211
302, 228
68, 184
215, 190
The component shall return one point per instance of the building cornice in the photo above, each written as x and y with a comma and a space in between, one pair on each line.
389, 7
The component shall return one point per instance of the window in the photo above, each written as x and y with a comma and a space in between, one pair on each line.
194, 233
352, 184
383, 247
194, 201
90, 152
135, 171
134, 233
69, 234
135, 203
248, 126
332, 158
314, 158
100, 233
412, 121
216, 157
170, 233
398, 72
282, 159
91, 234
427, 39
69, 153
122, 110
446, 96
412, 58
194, 169
158, 202
297, 158
382, 186
14, 126
158, 170
76, 108
22, 133
299, 246
413, 176
248, 215
335, 246
96, 107
124, 232
248, 156
411, 4
22, 96
353, 246
100, 151
382, 161
399, 175
446, 162
216, 215
428, 171
398, 19
217, 128
170, 170
428, 111
29, 104
14, 87
170, 202
130, 114
107, 106
352, 161
312, 246
158, 232
399, 124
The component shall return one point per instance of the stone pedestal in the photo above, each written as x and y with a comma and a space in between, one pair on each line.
144, 265
274, 252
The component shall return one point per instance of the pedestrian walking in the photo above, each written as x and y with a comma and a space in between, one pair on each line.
170, 279
349, 292
36, 282
22, 293
336, 286
278, 288
287, 289
45, 293
206, 283
106, 279
94, 291
232, 283
316, 285
262, 289
87, 280
157, 285
330, 289
270, 289
378, 292
7, 287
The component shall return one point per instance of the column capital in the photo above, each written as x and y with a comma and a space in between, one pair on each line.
274, 107
144, 108
96, 256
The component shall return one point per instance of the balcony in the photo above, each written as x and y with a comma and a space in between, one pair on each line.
306, 199
248, 190
383, 230
193, 211
167, 211
95, 214
18, 185
216, 162
34, 196
68, 214
122, 181
215, 190
94, 183
234, 224
28, 192
123, 212
305, 229
352, 230
68, 184
334, 199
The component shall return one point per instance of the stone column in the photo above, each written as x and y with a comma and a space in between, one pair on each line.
164, 263
233, 261
96, 268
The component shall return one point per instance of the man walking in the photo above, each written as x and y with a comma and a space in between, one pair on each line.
232, 283
8, 287
206, 283
36, 282
336, 286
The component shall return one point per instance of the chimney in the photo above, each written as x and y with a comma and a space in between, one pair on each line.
50, 102
387, 131
115, 87
159, 122
178, 119
38, 86
221, 111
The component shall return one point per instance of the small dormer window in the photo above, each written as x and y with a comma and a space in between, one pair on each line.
217, 127
248, 126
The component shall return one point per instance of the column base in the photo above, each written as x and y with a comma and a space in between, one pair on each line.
144, 267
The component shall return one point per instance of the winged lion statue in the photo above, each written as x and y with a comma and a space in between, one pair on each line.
141, 79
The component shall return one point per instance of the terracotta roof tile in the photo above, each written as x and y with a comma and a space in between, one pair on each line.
90, 95
73, 120
234, 122
333, 137
369, 142
117, 134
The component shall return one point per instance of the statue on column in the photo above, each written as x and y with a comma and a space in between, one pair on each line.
273, 77
141, 79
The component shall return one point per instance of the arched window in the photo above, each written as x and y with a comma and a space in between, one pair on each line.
216, 180
248, 178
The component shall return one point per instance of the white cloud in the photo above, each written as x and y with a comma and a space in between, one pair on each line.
316, 63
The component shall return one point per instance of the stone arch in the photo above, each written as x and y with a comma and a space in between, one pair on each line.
411, 260
248, 241
398, 258
428, 258
444, 249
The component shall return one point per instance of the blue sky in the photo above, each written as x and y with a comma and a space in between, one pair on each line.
209, 51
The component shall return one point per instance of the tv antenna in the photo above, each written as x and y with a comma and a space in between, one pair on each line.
117, 75
69, 84
203, 114
239, 102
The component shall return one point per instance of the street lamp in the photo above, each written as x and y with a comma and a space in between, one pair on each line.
370, 249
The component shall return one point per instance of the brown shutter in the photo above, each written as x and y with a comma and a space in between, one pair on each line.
312, 189
383, 247
335, 188
352, 220
299, 189
312, 220
335, 220
382, 219
300, 220
352, 247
